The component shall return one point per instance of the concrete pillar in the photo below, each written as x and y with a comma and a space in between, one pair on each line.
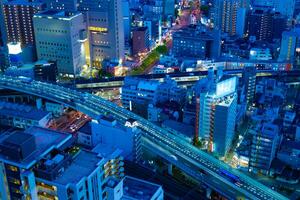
208, 193
170, 169
39, 103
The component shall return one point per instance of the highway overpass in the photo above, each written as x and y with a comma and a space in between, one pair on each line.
171, 147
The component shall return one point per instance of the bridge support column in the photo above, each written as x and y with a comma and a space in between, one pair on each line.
208, 193
170, 169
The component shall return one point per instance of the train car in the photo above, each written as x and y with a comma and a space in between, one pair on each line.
25, 79
229, 176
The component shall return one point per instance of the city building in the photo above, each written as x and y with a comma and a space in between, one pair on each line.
265, 141
62, 40
297, 7
64, 5
105, 130
229, 16
260, 54
142, 91
22, 116
137, 189
140, 40
249, 80
161, 69
105, 28
217, 112
126, 22
288, 46
18, 16
196, 42
40, 70
33, 167
265, 24
286, 7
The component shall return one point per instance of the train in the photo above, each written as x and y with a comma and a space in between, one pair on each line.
229, 176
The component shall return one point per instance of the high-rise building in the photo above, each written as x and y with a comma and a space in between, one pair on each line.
33, 167
62, 40
1, 38
105, 28
260, 24
265, 24
225, 15
297, 7
169, 7
263, 148
217, 113
18, 16
249, 80
126, 21
2, 27
65, 5
105, 24
288, 46
140, 40
285, 7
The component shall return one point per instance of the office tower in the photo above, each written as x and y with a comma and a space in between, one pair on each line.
224, 124
263, 148
297, 7
18, 20
196, 42
285, 7
169, 7
241, 22
126, 21
2, 27
217, 113
249, 80
65, 5
260, 24
62, 40
53, 168
105, 27
288, 46
1, 38
140, 40
265, 24
225, 15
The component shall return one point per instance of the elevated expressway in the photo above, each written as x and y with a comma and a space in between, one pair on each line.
171, 147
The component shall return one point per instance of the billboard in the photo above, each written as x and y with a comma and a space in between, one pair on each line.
226, 87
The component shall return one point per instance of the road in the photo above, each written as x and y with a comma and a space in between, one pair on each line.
165, 140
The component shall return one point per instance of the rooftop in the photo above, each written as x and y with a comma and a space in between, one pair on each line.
194, 32
61, 15
23, 2
148, 85
82, 166
138, 189
107, 151
45, 141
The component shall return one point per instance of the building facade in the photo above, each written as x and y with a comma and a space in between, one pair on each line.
62, 40
18, 16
